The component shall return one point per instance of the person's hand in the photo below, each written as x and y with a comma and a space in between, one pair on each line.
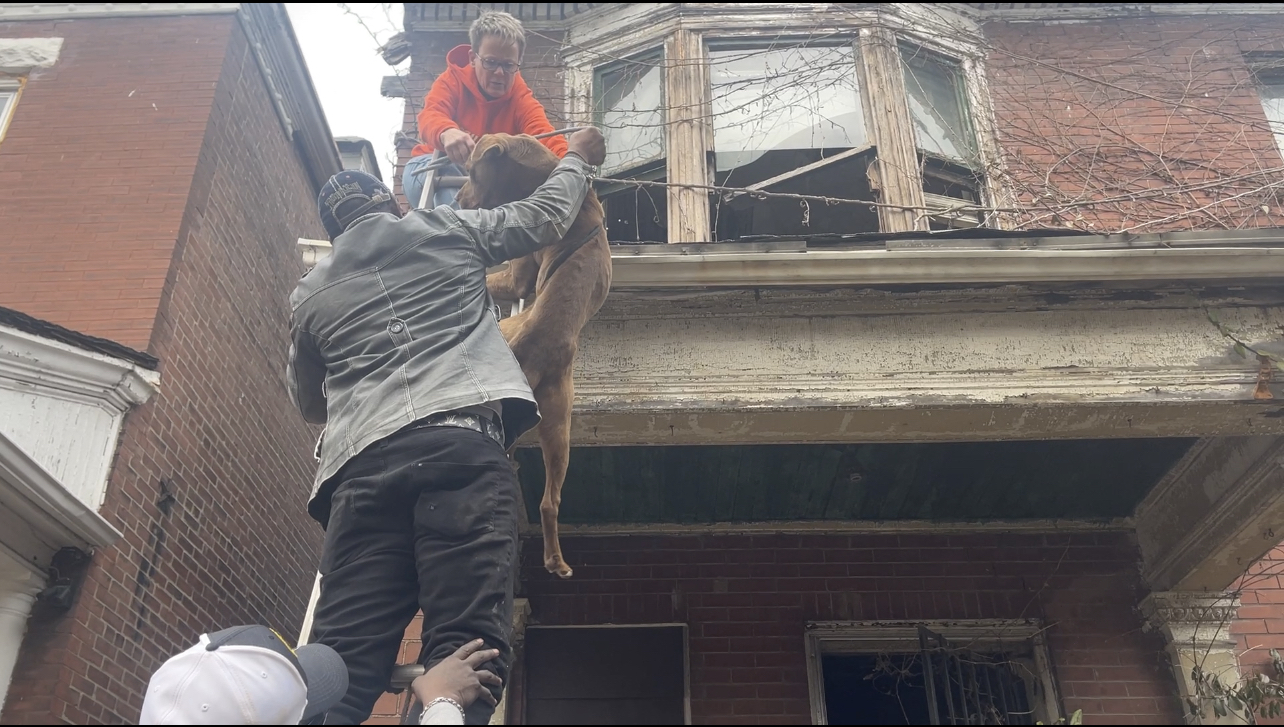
459, 678
458, 145
589, 144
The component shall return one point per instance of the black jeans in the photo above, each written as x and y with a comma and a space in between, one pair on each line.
425, 519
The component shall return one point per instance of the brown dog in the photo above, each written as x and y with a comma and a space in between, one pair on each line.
563, 286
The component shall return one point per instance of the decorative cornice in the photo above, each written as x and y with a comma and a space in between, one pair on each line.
59, 370
1191, 620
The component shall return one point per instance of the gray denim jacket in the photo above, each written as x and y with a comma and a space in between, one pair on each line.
396, 324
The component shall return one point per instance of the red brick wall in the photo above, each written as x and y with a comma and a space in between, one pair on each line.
96, 166
1089, 111
1260, 626
746, 600
230, 542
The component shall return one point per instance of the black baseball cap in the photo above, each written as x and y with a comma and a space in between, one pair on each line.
348, 196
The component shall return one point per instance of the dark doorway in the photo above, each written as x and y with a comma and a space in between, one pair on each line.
604, 676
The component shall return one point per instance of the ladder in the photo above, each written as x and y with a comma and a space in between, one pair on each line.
435, 180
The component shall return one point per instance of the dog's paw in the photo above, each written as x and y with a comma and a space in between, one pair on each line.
558, 567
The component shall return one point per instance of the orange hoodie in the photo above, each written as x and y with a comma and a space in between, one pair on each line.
455, 101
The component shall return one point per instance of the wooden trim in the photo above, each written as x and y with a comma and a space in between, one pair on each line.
891, 130
17, 85
686, 99
807, 168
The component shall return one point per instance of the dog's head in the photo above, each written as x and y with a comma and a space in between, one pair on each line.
505, 168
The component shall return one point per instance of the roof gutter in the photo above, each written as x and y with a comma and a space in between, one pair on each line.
653, 270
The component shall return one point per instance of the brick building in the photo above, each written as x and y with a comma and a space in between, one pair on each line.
973, 393
158, 162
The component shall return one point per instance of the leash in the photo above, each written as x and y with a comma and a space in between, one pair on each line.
445, 161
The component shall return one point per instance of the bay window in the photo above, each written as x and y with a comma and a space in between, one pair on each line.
862, 129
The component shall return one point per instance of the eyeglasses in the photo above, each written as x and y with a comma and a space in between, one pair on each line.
494, 64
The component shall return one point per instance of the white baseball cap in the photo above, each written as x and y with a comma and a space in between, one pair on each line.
245, 675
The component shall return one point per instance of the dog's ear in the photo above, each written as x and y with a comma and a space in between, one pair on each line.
486, 149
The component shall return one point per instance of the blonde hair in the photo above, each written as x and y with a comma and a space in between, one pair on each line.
502, 26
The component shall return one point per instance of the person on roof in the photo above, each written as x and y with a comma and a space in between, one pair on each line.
481, 92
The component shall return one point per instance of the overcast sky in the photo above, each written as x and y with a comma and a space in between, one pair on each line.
346, 69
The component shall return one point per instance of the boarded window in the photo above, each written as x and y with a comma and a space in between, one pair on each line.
603, 676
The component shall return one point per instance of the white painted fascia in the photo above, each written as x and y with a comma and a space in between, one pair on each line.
683, 269
53, 11
38, 516
59, 369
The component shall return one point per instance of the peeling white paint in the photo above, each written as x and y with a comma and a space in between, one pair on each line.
65, 407
906, 360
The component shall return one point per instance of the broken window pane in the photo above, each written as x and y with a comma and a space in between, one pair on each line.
779, 116
946, 187
934, 88
629, 98
636, 213
764, 100
630, 109
1270, 86
1273, 105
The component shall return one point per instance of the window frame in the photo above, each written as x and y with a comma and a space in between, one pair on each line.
1267, 70
692, 32
901, 637
654, 54
13, 85
720, 42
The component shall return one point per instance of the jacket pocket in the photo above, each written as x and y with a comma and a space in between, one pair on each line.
399, 332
